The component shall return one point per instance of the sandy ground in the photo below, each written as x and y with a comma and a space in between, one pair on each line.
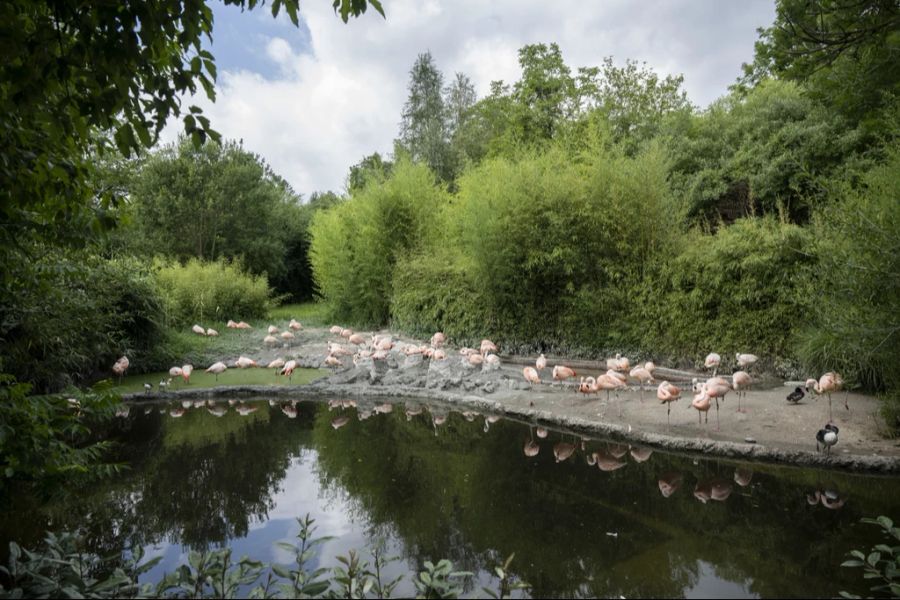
770, 428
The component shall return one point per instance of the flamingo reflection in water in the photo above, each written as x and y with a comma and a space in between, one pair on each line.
669, 483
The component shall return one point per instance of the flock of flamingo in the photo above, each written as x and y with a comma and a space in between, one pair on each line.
615, 379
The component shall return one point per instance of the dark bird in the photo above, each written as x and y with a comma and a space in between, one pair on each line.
827, 437
795, 396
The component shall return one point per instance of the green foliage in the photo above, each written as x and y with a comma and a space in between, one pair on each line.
356, 244
215, 201
71, 314
740, 289
508, 583
200, 292
424, 128
769, 151
439, 581
46, 439
79, 79
65, 569
543, 251
882, 562
843, 51
854, 325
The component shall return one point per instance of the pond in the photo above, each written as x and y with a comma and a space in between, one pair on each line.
434, 483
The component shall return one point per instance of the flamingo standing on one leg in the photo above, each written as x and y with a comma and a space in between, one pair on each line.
541, 363
712, 362
608, 382
642, 375
741, 381
217, 368
561, 373
668, 393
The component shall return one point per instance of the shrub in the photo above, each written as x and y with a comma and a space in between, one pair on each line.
74, 313
738, 290
356, 244
855, 321
542, 252
201, 292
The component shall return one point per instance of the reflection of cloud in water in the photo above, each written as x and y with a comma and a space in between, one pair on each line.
709, 584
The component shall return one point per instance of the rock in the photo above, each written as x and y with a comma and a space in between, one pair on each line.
750, 440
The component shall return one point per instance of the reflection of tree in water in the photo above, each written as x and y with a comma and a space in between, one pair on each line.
473, 497
197, 480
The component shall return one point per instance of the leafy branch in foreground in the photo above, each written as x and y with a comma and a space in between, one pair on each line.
63, 568
882, 562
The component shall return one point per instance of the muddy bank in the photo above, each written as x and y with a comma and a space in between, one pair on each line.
771, 429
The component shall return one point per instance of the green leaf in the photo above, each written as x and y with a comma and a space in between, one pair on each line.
852, 563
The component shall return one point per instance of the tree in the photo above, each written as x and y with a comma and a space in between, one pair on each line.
423, 129
371, 168
80, 77
544, 92
845, 51
215, 201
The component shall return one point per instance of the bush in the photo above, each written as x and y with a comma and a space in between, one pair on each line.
202, 292
74, 313
740, 289
542, 252
356, 244
855, 321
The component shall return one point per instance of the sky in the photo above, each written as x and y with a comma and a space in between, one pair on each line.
315, 99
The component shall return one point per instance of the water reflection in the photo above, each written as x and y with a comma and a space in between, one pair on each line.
241, 476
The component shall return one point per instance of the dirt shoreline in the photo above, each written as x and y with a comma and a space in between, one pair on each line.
783, 433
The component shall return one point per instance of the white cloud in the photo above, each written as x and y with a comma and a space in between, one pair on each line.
341, 99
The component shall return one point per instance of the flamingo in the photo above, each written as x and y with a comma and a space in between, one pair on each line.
561, 373
608, 382
488, 346
475, 359
198, 330
642, 375
288, 369
587, 385
541, 363
244, 362
668, 393
562, 451
288, 337
492, 361
717, 387
531, 375
701, 403
356, 339
745, 361
176, 372
829, 382
336, 329
211, 332
120, 367
712, 362
437, 340
272, 330
742, 476
295, 325
333, 362
741, 381
270, 340
438, 354
217, 368
231, 324
276, 364
669, 483
186, 371
243, 325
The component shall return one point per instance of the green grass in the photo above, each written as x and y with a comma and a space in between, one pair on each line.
201, 379
312, 314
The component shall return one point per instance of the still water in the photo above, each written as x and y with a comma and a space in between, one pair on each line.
432, 483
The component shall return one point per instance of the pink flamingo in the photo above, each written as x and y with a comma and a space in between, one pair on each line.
741, 381
829, 382
668, 393
531, 375
717, 387
642, 375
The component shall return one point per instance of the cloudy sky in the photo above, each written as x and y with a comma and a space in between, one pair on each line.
314, 100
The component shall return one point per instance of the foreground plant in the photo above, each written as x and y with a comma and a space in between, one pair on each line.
64, 569
882, 562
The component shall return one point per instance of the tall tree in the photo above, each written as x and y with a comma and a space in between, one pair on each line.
424, 132
844, 51
82, 76
544, 93
216, 201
